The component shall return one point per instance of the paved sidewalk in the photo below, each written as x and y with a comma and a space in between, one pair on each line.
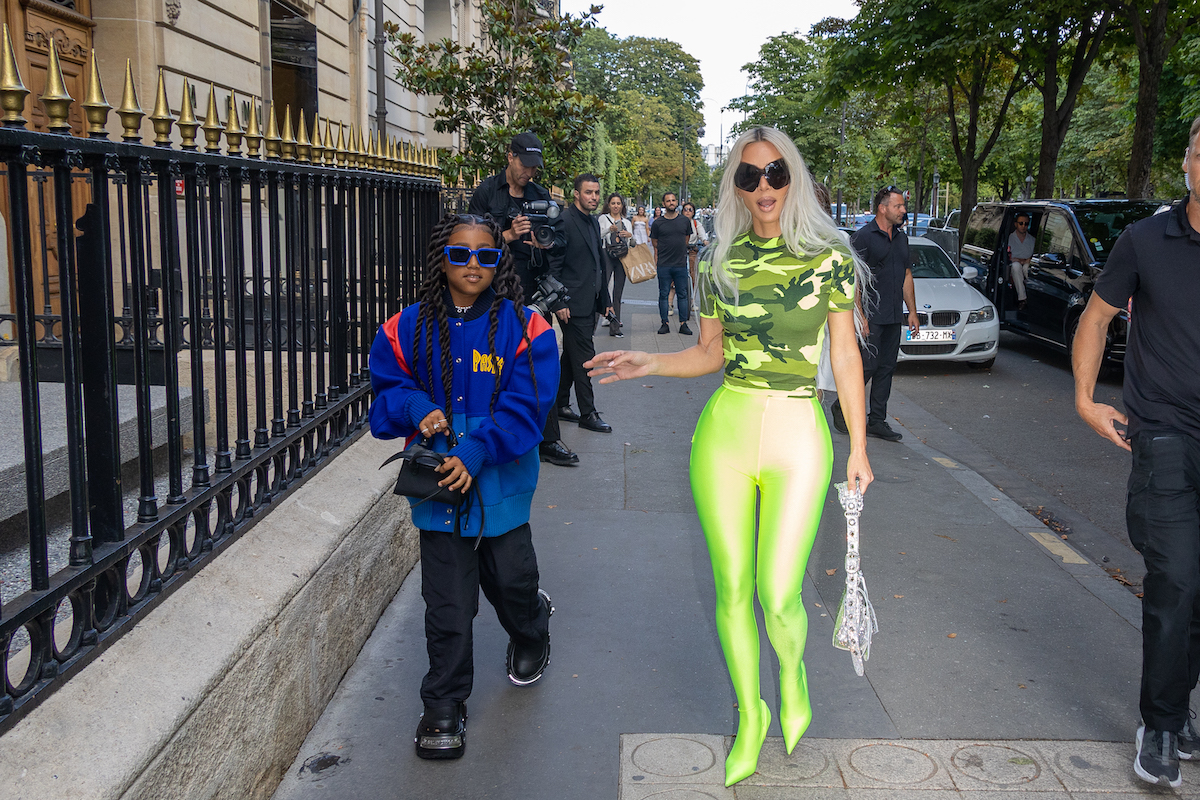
1004, 660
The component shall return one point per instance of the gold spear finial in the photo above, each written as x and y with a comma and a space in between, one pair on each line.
212, 123
363, 155
130, 111
12, 90
273, 148
56, 99
437, 168
318, 144
233, 128
289, 140
373, 150
341, 147
351, 151
187, 122
303, 144
330, 145
95, 106
253, 132
161, 118
392, 164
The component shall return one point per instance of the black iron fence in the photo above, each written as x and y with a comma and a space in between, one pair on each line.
249, 289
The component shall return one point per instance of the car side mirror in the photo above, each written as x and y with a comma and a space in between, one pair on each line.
1053, 259
969, 273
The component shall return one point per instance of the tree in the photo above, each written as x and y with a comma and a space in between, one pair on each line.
514, 80
605, 65
1156, 27
1057, 41
965, 47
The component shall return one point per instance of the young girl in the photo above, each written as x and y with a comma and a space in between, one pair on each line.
469, 357
778, 272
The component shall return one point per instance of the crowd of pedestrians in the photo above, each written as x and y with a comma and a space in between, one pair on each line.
787, 306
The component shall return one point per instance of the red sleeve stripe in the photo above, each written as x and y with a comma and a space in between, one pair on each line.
390, 330
536, 327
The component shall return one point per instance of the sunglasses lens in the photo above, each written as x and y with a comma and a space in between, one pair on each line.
747, 177
458, 256
488, 257
778, 175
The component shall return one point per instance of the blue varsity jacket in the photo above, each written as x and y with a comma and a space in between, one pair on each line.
500, 453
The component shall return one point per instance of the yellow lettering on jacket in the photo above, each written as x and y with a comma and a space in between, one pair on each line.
484, 362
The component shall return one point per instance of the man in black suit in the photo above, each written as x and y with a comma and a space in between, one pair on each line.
581, 271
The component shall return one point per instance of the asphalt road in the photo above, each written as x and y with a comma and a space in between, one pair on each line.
1020, 430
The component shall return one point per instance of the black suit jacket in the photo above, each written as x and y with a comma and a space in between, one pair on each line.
581, 269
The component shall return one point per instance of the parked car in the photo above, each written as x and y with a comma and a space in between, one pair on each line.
957, 322
919, 226
1072, 240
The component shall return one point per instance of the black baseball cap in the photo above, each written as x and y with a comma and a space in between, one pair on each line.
527, 147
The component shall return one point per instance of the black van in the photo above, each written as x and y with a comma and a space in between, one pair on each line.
1072, 240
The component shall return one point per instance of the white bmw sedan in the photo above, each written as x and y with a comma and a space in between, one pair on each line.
957, 322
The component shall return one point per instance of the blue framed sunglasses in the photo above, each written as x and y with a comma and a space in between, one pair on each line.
460, 256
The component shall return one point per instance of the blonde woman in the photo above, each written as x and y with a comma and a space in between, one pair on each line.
779, 270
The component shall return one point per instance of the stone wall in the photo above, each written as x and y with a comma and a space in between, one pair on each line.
211, 695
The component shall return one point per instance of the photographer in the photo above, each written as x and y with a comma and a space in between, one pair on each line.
506, 197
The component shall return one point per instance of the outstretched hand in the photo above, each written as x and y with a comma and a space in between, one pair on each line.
619, 365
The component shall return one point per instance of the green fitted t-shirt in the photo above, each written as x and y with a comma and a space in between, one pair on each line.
773, 333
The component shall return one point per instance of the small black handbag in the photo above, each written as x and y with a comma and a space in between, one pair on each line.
614, 244
418, 477
418, 480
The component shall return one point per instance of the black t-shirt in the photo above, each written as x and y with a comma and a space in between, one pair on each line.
888, 260
672, 236
1156, 261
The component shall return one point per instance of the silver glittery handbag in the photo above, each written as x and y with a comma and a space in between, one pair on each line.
855, 617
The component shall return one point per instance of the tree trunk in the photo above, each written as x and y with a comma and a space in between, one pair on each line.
1150, 34
1141, 155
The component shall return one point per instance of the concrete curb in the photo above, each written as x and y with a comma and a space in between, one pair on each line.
212, 694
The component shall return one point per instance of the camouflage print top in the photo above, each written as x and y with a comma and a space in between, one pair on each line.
773, 334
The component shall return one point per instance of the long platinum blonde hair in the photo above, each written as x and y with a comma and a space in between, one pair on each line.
808, 230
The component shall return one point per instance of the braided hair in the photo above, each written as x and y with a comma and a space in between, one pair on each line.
433, 312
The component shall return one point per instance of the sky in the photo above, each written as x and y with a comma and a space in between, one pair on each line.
723, 35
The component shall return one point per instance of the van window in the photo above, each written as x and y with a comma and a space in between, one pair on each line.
984, 227
1055, 237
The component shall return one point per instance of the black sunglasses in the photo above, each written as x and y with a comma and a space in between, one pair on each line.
460, 256
748, 176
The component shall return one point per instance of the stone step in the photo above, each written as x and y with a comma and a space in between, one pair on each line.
54, 436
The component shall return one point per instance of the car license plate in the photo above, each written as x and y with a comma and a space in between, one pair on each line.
927, 335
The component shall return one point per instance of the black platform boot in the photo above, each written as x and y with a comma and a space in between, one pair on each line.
525, 662
442, 731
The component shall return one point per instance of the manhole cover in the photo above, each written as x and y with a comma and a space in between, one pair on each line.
996, 764
892, 763
673, 757
805, 762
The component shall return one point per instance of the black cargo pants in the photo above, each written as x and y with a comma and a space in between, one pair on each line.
1164, 525
452, 573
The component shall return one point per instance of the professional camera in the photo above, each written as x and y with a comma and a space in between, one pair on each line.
549, 296
543, 215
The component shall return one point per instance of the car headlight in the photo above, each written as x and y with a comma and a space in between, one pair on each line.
985, 314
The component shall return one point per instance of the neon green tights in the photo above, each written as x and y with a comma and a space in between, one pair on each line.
746, 443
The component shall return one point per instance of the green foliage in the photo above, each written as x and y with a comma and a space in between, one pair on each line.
515, 80
651, 94
606, 65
